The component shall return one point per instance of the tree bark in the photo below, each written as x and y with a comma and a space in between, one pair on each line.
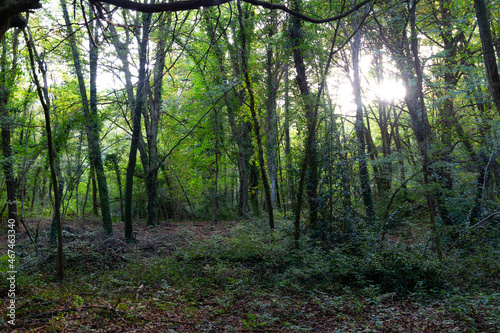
490, 61
136, 126
272, 89
7, 81
42, 94
364, 175
151, 122
256, 125
92, 122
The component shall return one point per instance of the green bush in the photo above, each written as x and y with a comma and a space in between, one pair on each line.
402, 272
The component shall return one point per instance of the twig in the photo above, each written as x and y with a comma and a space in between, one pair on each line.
469, 230
137, 292
178, 321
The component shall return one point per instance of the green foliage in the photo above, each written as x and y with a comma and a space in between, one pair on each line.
395, 270
249, 255
475, 267
4, 268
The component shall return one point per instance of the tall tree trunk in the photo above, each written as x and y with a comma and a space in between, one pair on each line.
7, 81
364, 175
8, 158
383, 121
215, 200
239, 126
136, 126
490, 60
288, 155
311, 116
43, 96
92, 122
60, 138
95, 149
272, 90
256, 125
311, 105
151, 122
406, 55
424, 128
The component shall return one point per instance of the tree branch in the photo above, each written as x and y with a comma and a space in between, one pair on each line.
195, 4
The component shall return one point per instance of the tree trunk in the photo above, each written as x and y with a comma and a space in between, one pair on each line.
151, 122
8, 158
7, 80
92, 123
490, 61
43, 96
272, 90
93, 128
424, 128
364, 175
119, 181
310, 155
136, 126
95, 204
288, 155
256, 125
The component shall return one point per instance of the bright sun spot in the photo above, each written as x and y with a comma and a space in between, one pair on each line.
340, 90
390, 91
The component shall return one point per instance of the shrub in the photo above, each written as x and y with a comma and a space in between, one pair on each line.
402, 272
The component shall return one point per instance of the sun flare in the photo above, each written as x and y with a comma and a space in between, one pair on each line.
390, 91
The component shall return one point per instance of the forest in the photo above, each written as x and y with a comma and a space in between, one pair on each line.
250, 166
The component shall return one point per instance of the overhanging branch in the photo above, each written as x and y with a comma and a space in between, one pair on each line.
177, 6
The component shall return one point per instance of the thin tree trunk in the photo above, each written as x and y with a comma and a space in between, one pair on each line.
95, 204
90, 114
288, 155
95, 150
310, 151
490, 61
272, 89
239, 131
151, 121
42, 94
119, 182
136, 127
364, 175
424, 128
215, 201
311, 107
256, 125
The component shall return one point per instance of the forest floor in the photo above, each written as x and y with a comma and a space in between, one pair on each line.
150, 286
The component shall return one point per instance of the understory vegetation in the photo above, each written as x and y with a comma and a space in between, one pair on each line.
236, 276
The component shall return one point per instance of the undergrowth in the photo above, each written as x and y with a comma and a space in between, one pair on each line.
248, 262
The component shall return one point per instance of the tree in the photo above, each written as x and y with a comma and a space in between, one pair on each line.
45, 101
490, 61
8, 75
252, 107
361, 132
136, 126
91, 117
